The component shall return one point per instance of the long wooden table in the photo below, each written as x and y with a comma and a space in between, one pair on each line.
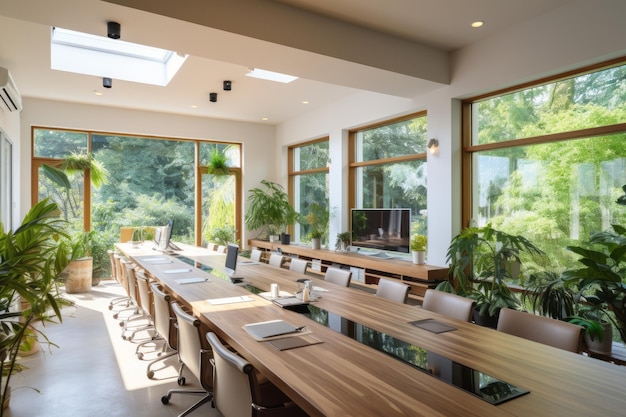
341, 377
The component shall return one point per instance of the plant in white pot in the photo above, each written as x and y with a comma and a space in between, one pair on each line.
418, 248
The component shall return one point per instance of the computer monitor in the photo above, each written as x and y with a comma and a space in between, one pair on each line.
232, 252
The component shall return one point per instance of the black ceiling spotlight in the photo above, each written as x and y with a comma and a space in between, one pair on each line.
107, 82
213, 97
228, 85
113, 30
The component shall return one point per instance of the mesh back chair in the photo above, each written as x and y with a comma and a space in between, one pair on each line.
556, 333
451, 305
194, 357
276, 260
164, 324
298, 265
393, 290
338, 276
240, 391
146, 303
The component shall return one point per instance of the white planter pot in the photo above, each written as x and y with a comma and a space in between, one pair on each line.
418, 257
315, 243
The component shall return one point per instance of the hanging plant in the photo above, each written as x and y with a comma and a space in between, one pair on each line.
77, 163
218, 163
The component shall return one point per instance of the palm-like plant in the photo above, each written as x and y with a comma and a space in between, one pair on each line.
30, 262
481, 261
269, 208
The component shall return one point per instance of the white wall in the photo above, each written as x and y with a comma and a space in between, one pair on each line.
578, 34
258, 140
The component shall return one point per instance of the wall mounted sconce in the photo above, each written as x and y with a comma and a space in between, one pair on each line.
433, 146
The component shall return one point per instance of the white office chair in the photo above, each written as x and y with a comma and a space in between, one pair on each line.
556, 333
298, 265
451, 305
276, 260
393, 290
240, 391
164, 323
338, 276
194, 357
255, 255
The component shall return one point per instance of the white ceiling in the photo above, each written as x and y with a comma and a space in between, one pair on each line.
338, 47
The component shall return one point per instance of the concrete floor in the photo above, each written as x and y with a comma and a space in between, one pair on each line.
94, 372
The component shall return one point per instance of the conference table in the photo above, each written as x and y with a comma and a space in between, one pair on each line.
342, 376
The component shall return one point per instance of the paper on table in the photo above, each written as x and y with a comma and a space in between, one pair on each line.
230, 300
319, 289
273, 328
191, 280
176, 271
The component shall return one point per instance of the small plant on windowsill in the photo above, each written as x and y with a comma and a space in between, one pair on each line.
343, 241
218, 163
418, 248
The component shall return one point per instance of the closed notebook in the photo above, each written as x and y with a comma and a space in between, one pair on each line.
272, 328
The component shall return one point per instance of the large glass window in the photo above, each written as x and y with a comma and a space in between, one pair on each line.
308, 188
549, 161
388, 167
150, 181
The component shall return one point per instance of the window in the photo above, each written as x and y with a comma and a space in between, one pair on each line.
308, 187
150, 180
388, 167
548, 161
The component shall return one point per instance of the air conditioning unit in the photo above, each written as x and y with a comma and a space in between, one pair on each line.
10, 98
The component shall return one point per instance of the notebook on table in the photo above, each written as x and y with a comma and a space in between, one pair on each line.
273, 328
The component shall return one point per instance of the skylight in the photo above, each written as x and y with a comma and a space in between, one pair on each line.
101, 56
270, 75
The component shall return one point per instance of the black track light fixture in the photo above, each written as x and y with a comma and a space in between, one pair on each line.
113, 30
107, 82
228, 85
213, 97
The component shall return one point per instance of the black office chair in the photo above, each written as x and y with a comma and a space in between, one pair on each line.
241, 391
194, 357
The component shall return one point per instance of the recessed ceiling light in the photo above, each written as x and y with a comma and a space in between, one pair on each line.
271, 76
193, 106
477, 24
305, 101
98, 93
265, 119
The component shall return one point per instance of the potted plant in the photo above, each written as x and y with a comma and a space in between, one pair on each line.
30, 262
343, 241
547, 294
222, 235
418, 248
269, 209
317, 218
481, 261
78, 274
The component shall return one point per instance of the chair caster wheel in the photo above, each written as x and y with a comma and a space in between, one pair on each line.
115, 315
165, 399
181, 380
140, 355
150, 374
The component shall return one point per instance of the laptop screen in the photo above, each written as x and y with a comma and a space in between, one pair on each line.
232, 252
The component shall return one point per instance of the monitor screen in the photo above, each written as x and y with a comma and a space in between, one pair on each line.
168, 234
382, 229
232, 251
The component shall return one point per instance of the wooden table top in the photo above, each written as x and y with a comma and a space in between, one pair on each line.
341, 377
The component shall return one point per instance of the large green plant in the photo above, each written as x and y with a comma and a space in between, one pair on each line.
269, 208
30, 261
481, 260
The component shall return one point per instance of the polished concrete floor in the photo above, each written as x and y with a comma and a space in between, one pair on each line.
94, 372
